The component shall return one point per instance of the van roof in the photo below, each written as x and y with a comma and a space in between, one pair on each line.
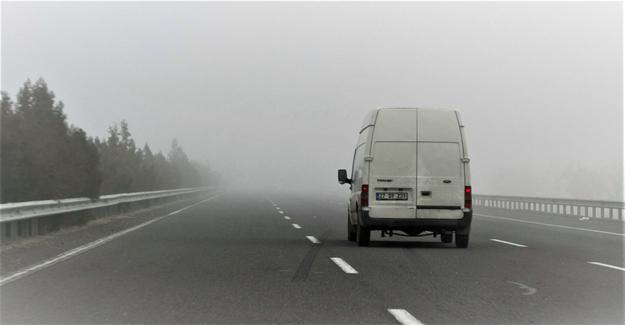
438, 125
371, 117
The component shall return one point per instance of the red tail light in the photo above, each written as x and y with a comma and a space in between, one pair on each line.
364, 196
468, 200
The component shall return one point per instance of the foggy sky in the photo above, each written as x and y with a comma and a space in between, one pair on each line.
274, 93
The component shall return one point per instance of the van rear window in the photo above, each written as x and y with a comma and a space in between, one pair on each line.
394, 159
438, 159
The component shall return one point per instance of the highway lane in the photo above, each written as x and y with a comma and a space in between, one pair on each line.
239, 259
484, 283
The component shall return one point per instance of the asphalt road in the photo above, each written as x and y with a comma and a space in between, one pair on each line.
237, 259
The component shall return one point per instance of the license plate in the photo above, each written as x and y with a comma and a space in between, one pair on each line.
391, 196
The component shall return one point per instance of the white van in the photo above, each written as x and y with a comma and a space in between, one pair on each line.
410, 176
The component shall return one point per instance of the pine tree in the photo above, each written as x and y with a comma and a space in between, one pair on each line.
42, 158
9, 151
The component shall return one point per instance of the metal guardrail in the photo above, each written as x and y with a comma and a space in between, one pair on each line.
33, 209
613, 210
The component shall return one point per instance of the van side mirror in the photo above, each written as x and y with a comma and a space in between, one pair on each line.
343, 177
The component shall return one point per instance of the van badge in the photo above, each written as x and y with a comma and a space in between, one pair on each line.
384, 180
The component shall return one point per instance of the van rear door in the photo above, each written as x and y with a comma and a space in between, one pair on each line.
392, 173
440, 178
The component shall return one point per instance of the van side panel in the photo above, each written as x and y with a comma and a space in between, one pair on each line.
360, 170
465, 152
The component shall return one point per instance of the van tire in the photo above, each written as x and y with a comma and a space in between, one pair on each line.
447, 237
351, 230
363, 235
462, 240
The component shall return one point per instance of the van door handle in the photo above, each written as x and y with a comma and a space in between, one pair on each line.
426, 193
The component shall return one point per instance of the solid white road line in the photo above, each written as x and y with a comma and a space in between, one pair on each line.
507, 242
343, 265
608, 265
404, 317
81, 249
287, 218
296, 226
192, 205
552, 225
313, 239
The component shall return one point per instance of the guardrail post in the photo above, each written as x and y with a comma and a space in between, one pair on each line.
34, 227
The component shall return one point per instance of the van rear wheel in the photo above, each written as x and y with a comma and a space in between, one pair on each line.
462, 240
363, 235
351, 230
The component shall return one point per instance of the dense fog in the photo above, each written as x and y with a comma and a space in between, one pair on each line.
272, 95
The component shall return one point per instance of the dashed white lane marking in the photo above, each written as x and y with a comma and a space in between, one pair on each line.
81, 249
287, 218
507, 242
277, 208
296, 226
551, 225
281, 212
313, 239
404, 317
608, 265
343, 265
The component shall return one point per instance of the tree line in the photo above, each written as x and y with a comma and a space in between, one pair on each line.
43, 157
